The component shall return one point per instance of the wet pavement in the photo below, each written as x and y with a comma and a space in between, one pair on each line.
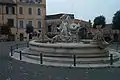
11, 69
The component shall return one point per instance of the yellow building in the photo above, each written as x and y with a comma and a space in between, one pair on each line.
22, 12
7, 12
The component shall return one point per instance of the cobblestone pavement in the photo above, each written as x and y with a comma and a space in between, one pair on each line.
11, 69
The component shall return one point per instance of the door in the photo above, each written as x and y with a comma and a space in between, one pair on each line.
21, 37
11, 22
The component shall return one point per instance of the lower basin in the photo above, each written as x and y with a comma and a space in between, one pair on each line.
68, 48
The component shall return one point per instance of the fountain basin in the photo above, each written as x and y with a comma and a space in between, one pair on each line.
80, 49
62, 53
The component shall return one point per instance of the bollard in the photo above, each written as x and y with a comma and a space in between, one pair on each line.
16, 46
11, 51
111, 59
41, 58
116, 47
74, 56
27, 44
20, 55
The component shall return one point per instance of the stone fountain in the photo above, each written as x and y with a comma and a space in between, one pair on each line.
62, 47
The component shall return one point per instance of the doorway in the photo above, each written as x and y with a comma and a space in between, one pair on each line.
21, 36
11, 22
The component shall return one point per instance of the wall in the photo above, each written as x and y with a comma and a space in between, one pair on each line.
34, 16
17, 17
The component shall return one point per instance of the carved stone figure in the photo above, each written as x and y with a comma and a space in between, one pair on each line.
68, 30
98, 34
99, 38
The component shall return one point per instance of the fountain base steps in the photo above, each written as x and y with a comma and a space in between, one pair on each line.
104, 60
67, 59
67, 65
67, 55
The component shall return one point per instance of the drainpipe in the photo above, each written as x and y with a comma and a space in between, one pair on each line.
16, 20
2, 15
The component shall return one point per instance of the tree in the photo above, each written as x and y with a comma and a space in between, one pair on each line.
29, 29
100, 20
116, 20
5, 29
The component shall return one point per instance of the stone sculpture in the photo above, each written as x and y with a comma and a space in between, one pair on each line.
68, 30
99, 38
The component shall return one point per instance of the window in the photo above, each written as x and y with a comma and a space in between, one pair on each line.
21, 24
11, 22
49, 28
38, 1
31, 1
20, 10
10, 10
39, 24
29, 11
39, 11
30, 22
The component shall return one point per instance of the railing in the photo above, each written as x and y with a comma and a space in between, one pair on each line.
16, 46
117, 45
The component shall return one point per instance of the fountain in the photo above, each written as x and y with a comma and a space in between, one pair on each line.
62, 47
68, 31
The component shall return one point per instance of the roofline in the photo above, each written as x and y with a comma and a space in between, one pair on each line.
59, 14
8, 3
49, 17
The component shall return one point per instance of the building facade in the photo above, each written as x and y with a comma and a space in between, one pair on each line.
25, 12
7, 13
